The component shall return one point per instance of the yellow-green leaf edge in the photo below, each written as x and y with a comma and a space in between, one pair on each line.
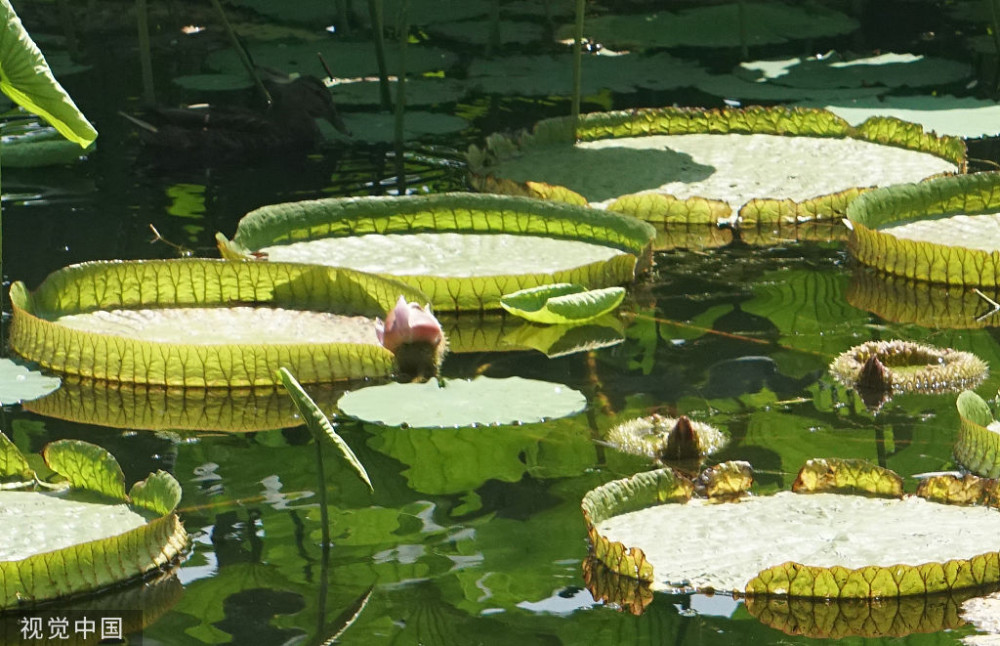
463, 213
203, 283
95, 565
666, 210
795, 579
562, 303
925, 261
977, 447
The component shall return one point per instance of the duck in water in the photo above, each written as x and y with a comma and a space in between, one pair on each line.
229, 132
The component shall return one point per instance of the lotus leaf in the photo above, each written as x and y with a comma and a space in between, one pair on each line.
977, 446
718, 25
26, 78
463, 250
461, 402
712, 154
904, 366
562, 303
64, 545
858, 546
940, 231
136, 322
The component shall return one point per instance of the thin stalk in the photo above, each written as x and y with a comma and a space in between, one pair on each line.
494, 42
324, 514
375, 11
145, 58
577, 62
995, 15
404, 35
744, 41
242, 52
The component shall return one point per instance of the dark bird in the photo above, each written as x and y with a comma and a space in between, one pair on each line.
224, 132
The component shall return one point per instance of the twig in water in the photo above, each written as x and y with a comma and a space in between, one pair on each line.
993, 304
183, 251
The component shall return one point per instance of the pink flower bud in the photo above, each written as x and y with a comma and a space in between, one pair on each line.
408, 323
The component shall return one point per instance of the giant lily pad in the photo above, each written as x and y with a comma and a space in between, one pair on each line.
946, 115
205, 323
663, 165
943, 231
71, 543
156, 408
460, 402
905, 366
822, 540
463, 250
977, 446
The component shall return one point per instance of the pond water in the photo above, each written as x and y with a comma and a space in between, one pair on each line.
473, 535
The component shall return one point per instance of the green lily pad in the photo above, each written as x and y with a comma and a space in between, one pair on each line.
910, 367
91, 535
347, 59
947, 115
26, 78
733, 86
214, 82
562, 303
205, 323
820, 541
624, 159
482, 401
941, 231
480, 31
30, 145
831, 71
18, 383
380, 127
419, 92
546, 75
321, 12
718, 25
463, 250
561, 340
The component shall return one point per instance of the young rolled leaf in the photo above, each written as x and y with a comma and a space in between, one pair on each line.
562, 303
825, 545
463, 250
67, 544
977, 445
26, 78
205, 323
320, 424
939, 231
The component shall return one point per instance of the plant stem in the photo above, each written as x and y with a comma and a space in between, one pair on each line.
145, 58
242, 52
494, 42
404, 36
324, 514
375, 11
577, 62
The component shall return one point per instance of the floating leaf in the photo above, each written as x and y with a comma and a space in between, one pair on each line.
718, 25
966, 117
26, 78
940, 231
887, 69
463, 250
320, 424
461, 402
18, 384
65, 545
661, 438
562, 303
137, 322
857, 547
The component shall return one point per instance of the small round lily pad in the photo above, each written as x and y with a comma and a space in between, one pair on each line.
562, 303
459, 402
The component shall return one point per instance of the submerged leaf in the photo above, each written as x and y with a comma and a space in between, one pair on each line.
460, 402
320, 424
562, 303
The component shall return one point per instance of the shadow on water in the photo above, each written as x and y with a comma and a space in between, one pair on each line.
603, 173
